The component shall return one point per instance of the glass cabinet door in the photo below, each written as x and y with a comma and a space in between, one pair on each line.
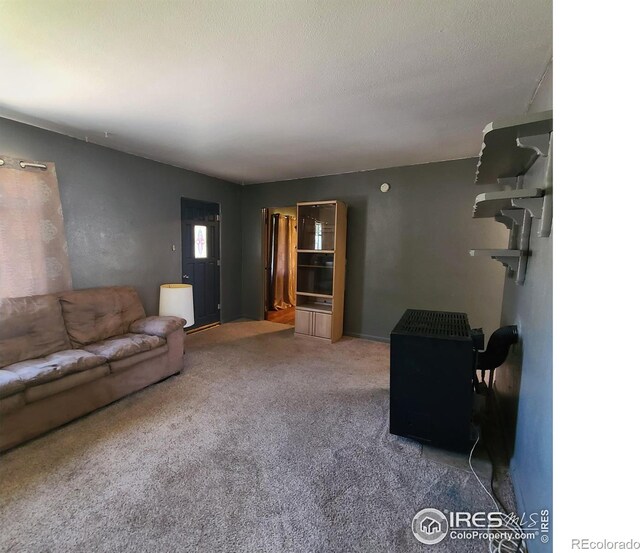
316, 280
316, 227
315, 273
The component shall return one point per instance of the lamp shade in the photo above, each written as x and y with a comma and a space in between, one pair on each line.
177, 300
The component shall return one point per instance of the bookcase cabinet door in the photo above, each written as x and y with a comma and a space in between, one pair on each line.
304, 320
322, 325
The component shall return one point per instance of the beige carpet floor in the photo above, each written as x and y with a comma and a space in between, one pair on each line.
264, 443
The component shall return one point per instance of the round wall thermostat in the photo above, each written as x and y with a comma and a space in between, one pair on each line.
384, 187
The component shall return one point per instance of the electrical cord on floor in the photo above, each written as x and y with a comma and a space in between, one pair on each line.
497, 543
493, 474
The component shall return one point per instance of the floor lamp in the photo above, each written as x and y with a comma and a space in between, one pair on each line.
177, 300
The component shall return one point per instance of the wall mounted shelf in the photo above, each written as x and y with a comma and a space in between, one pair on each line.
509, 149
514, 260
491, 204
511, 146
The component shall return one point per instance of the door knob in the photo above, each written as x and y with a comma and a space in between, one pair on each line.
185, 277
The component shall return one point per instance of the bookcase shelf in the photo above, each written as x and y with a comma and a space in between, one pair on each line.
314, 294
316, 306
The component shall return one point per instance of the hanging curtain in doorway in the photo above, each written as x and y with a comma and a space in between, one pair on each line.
283, 262
33, 247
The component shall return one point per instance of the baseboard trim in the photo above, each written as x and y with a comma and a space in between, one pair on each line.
382, 339
201, 328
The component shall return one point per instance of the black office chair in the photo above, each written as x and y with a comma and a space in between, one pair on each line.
493, 356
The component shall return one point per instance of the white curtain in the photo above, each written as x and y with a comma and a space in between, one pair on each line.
33, 248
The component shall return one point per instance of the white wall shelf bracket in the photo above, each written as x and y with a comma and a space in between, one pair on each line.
521, 223
512, 219
511, 146
513, 260
544, 230
490, 204
512, 215
519, 237
538, 143
532, 205
505, 220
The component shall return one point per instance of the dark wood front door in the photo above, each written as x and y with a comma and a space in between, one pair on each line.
201, 258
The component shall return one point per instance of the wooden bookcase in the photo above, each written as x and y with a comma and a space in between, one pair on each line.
321, 260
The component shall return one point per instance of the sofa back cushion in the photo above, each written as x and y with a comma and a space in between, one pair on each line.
30, 327
99, 313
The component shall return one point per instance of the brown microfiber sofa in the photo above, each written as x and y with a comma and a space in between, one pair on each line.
65, 355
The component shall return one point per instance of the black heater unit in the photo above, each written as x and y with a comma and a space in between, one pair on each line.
434, 358
432, 367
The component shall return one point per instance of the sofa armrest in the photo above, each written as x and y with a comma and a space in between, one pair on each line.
157, 326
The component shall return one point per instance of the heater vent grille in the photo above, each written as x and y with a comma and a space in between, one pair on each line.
435, 324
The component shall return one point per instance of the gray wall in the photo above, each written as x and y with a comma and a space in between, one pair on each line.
122, 214
543, 99
524, 384
407, 248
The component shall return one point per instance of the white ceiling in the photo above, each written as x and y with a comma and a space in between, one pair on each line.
262, 90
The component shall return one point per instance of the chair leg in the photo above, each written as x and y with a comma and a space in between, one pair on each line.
491, 372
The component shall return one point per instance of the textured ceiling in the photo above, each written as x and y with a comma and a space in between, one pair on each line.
255, 91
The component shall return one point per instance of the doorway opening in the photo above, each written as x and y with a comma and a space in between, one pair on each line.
279, 241
201, 258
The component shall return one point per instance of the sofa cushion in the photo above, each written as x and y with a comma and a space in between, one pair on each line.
97, 314
125, 346
30, 327
38, 371
36, 393
10, 383
127, 363
157, 326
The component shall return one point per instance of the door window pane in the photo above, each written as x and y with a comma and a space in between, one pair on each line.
199, 241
